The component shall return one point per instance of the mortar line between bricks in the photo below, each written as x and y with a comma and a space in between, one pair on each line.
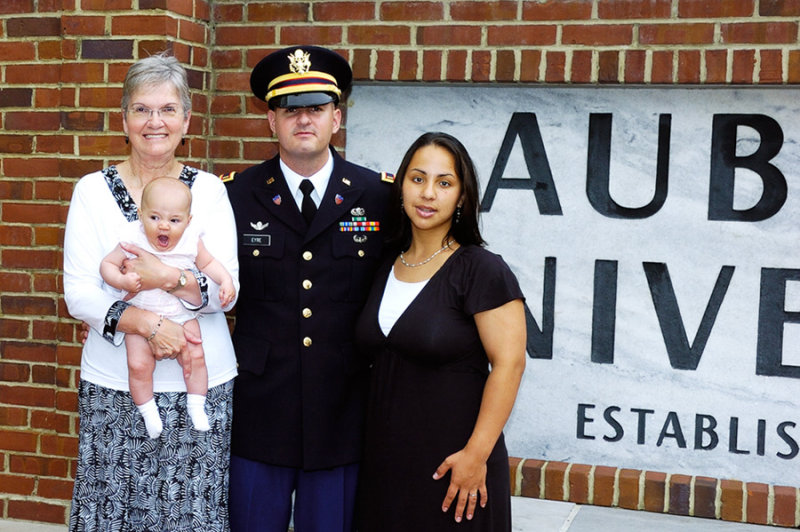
542, 484
640, 502
770, 504
518, 478
565, 488
667, 480
744, 502
797, 506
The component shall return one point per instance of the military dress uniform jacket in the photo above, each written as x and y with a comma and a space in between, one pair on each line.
299, 398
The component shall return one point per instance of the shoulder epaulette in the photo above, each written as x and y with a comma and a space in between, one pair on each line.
386, 177
227, 177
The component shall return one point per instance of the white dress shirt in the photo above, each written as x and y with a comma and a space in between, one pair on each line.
319, 180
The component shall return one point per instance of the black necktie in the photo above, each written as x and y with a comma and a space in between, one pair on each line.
309, 208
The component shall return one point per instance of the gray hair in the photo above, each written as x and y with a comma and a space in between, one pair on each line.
155, 70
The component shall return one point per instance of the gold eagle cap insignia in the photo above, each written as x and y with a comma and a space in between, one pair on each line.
299, 62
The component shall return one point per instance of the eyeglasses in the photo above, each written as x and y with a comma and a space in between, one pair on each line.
142, 113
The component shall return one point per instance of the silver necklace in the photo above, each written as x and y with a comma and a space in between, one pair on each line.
426, 261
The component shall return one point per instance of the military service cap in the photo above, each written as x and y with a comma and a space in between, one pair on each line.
301, 76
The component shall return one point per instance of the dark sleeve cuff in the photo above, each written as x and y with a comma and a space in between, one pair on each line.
112, 319
202, 282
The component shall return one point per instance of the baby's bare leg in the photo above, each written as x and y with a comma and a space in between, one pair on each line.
197, 382
141, 365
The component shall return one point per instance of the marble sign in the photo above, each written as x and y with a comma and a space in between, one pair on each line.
656, 235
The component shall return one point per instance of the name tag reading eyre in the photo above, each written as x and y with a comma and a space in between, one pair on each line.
256, 240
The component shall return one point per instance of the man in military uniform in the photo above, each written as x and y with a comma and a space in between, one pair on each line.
308, 225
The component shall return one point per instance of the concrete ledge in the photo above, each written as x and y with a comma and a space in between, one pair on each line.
12, 525
652, 491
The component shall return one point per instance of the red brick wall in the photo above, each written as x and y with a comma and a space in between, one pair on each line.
61, 67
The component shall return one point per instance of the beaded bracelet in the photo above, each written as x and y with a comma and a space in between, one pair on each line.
155, 329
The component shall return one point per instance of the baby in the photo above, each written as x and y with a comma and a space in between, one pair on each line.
164, 230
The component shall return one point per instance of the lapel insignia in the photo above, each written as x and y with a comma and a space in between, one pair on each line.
338, 199
228, 177
270, 180
346, 181
276, 199
259, 226
386, 177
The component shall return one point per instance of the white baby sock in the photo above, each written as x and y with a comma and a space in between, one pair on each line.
152, 419
196, 405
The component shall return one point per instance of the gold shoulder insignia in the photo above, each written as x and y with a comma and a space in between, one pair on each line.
227, 177
386, 177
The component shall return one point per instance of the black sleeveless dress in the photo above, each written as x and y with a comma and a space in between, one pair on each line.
426, 387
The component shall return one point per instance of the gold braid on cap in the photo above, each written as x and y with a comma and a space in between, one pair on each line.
301, 78
308, 82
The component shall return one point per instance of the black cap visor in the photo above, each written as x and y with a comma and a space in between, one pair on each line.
302, 99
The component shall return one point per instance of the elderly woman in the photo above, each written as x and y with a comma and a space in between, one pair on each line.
442, 311
125, 480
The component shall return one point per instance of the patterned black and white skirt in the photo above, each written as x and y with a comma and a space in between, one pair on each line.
126, 481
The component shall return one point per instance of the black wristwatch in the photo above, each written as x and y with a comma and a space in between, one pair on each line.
181, 282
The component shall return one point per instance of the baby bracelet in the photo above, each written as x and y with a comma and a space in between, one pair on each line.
155, 329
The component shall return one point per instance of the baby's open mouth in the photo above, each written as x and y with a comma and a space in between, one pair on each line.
163, 240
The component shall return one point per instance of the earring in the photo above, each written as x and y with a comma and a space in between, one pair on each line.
127, 140
183, 141
457, 216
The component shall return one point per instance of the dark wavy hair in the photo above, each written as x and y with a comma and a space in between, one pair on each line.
466, 231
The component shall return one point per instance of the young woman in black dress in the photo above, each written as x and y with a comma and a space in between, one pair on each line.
444, 327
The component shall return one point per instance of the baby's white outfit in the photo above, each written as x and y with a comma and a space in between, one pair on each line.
182, 256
